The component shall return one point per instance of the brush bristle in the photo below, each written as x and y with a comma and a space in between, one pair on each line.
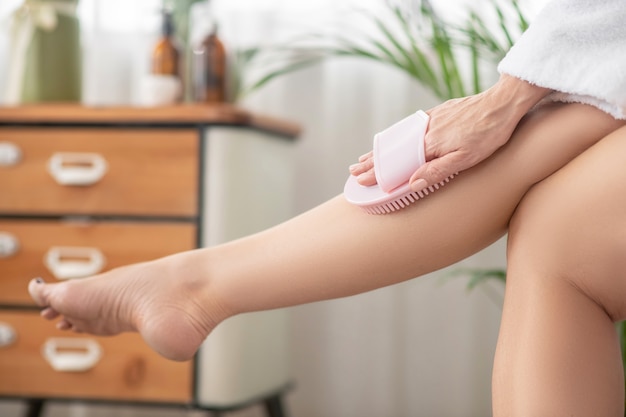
405, 200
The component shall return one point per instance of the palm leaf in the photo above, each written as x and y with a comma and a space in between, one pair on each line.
395, 42
266, 78
522, 21
427, 74
478, 276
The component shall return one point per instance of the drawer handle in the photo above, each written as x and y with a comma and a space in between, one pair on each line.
10, 154
73, 262
71, 354
69, 168
9, 245
7, 335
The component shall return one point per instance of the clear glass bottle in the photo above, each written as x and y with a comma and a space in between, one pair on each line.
209, 68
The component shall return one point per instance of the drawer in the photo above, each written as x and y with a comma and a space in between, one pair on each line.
99, 171
56, 249
127, 368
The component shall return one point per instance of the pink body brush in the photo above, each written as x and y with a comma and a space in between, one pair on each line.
398, 152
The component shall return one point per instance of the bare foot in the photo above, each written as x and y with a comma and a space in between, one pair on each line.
167, 301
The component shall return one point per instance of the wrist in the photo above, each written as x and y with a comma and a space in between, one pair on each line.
517, 95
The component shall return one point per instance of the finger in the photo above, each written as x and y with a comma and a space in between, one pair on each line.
362, 167
356, 169
366, 156
436, 171
367, 178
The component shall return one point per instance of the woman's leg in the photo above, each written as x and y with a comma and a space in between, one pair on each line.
558, 353
334, 250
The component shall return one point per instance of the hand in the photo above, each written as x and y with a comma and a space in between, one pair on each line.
462, 132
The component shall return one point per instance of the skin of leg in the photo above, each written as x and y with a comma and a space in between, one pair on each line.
558, 352
334, 250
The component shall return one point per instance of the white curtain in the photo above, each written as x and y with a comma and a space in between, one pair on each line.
422, 348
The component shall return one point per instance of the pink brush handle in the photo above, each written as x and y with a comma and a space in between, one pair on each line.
399, 151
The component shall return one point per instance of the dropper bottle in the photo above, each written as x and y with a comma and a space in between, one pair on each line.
166, 55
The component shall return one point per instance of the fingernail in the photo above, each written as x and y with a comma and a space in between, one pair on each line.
354, 167
419, 185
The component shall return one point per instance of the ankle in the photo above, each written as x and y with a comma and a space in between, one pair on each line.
198, 282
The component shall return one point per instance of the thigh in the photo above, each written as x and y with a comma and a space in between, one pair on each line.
572, 226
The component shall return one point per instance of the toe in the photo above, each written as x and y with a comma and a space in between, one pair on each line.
49, 313
64, 325
38, 291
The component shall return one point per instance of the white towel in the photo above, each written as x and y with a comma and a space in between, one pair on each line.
578, 49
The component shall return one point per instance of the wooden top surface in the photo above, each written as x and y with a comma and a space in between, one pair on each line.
206, 114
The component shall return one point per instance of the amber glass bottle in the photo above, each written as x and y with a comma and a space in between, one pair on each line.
166, 54
210, 69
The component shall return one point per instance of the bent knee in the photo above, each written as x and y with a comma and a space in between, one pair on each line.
572, 226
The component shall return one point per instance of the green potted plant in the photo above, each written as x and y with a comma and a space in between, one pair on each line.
433, 52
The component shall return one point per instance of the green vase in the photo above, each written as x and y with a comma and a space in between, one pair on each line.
53, 70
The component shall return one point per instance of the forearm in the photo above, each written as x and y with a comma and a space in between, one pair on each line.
335, 250
511, 98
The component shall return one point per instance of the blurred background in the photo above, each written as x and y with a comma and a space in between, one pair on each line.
421, 348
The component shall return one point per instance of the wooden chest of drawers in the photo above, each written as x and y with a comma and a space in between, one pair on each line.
128, 370
86, 190
125, 172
